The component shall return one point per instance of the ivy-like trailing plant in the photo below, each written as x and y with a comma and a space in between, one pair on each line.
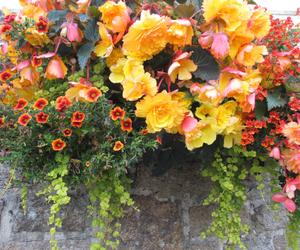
87, 87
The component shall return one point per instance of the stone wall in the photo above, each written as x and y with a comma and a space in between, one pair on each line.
170, 217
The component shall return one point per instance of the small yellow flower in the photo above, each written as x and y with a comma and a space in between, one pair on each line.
117, 72
260, 23
181, 68
36, 38
115, 55
180, 32
161, 112
146, 37
105, 46
250, 54
133, 89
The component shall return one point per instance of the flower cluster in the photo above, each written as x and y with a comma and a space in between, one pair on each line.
227, 70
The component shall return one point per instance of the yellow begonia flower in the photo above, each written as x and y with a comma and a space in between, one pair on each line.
113, 58
105, 46
114, 15
223, 120
250, 54
232, 13
126, 69
180, 32
133, 89
260, 23
117, 71
203, 133
36, 38
161, 112
146, 37
182, 69
77, 92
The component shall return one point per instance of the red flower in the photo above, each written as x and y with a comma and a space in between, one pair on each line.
24, 119
2, 121
42, 25
144, 132
40, 103
294, 103
126, 125
5, 28
36, 62
159, 140
92, 94
118, 146
5, 75
63, 103
22, 103
78, 116
117, 113
58, 145
67, 132
76, 124
9, 18
41, 117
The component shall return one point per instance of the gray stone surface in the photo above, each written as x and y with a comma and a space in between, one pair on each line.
170, 217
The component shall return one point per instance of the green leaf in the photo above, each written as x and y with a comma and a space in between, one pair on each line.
208, 68
260, 109
185, 10
56, 15
91, 31
292, 84
275, 99
84, 54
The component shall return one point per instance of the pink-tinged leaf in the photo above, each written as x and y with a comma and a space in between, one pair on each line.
234, 71
188, 124
220, 45
251, 100
234, 85
22, 65
46, 55
290, 205
195, 88
4, 48
275, 153
279, 197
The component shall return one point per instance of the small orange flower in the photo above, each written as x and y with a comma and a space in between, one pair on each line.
36, 62
118, 146
58, 145
24, 119
22, 103
144, 132
40, 103
41, 117
76, 124
67, 132
126, 125
42, 25
92, 94
5, 75
63, 103
117, 113
2, 121
88, 164
78, 116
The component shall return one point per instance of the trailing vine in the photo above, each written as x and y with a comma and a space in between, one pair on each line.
57, 195
108, 195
